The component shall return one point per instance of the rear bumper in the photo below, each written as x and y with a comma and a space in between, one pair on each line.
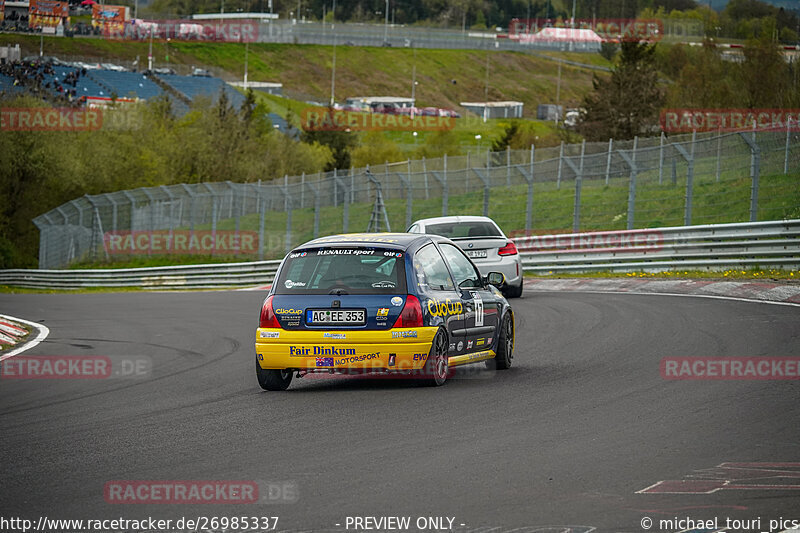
399, 349
511, 268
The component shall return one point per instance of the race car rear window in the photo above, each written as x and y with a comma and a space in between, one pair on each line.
346, 270
463, 230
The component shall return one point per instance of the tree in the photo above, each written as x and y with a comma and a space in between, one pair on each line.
705, 81
765, 74
629, 101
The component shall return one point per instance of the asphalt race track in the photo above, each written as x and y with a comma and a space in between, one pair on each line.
568, 436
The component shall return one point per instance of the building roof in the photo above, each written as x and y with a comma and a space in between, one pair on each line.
508, 103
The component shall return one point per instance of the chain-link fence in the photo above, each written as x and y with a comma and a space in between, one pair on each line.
648, 182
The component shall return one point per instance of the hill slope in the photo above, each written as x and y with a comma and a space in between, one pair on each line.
445, 77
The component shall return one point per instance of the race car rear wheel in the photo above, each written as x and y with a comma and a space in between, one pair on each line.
513, 292
505, 346
437, 366
274, 380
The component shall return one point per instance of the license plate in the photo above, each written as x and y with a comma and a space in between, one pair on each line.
476, 253
348, 317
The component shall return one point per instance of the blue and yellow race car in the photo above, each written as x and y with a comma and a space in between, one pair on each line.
381, 303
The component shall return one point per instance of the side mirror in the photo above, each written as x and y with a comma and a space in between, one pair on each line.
496, 278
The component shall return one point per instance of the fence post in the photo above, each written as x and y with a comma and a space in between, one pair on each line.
786, 150
631, 186
345, 203
409, 194
335, 189
213, 221
445, 188
289, 230
608, 160
113, 213
285, 192
661, 158
576, 210
674, 171
560, 161
425, 175
529, 205
755, 155
262, 212
752, 155
303, 190
687, 214
508, 166
719, 150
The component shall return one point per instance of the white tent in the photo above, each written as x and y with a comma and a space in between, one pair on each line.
562, 35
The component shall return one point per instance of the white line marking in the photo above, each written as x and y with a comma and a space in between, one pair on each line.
43, 333
749, 300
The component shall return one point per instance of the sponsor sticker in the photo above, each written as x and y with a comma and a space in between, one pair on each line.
289, 284
478, 308
383, 313
404, 334
384, 285
448, 307
460, 346
269, 334
345, 251
397, 301
469, 345
334, 335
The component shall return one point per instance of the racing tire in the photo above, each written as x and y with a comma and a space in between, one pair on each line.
273, 380
437, 366
513, 292
505, 345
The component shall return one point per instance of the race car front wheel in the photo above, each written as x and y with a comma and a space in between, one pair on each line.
437, 367
273, 379
505, 346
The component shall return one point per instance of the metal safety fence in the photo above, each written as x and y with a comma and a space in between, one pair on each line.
771, 244
648, 182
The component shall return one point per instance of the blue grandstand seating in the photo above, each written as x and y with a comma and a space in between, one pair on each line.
201, 86
7, 85
85, 86
127, 84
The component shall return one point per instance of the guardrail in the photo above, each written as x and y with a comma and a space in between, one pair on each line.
212, 276
706, 247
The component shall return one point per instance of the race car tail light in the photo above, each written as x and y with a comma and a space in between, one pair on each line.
411, 316
268, 318
509, 249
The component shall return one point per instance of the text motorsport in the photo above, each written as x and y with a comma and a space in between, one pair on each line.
322, 119
180, 242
